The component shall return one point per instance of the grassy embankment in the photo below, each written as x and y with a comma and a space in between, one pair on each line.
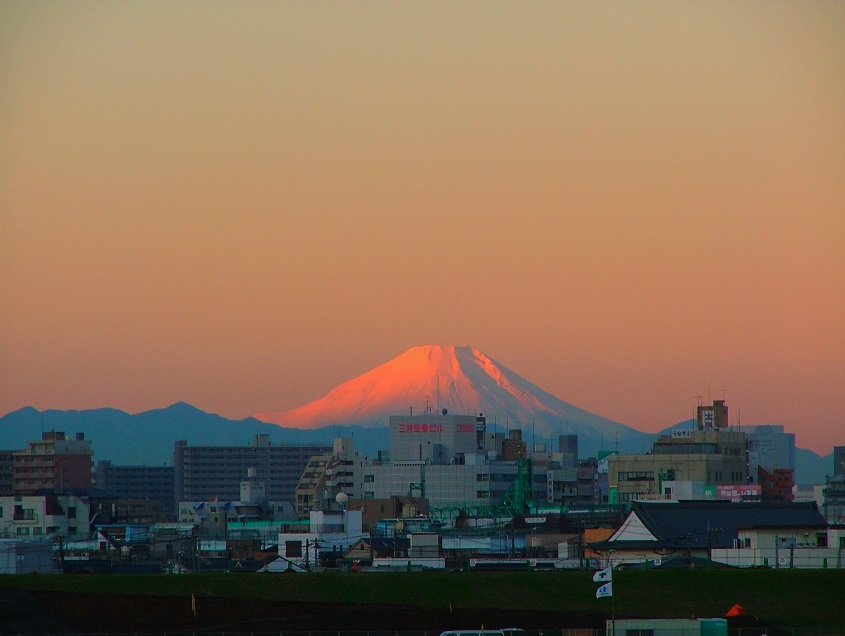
784, 598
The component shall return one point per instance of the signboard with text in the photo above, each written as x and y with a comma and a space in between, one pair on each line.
738, 492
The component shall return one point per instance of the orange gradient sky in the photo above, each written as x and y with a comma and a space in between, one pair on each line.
243, 204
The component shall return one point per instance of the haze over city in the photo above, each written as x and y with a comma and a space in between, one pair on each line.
243, 205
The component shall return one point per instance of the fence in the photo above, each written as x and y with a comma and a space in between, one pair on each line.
837, 630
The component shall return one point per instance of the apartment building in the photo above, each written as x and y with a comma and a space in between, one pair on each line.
327, 475
56, 461
206, 473
145, 494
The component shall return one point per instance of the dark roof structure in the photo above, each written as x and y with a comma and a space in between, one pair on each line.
701, 524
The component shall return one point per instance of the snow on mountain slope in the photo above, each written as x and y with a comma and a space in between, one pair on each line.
463, 380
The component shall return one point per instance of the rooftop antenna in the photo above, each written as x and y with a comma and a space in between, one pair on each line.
428, 405
723, 393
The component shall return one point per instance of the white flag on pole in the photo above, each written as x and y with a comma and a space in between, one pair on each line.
604, 575
605, 590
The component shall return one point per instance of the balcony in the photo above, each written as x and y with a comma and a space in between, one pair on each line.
25, 516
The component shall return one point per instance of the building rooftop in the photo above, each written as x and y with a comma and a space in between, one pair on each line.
702, 524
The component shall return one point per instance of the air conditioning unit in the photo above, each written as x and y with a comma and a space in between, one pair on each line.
783, 561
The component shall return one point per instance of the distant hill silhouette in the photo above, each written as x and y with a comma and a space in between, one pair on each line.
147, 438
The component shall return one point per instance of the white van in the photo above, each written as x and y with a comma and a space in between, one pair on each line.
507, 631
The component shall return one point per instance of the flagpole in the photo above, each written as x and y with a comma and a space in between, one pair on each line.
612, 600
606, 576
612, 615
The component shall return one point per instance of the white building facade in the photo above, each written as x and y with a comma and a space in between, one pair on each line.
36, 517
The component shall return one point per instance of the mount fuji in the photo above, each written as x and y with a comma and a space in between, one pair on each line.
464, 381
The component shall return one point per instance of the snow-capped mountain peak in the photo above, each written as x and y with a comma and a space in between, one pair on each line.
461, 379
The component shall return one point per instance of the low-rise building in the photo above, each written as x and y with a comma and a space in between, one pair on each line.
740, 534
328, 536
375, 510
26, 557
38, 517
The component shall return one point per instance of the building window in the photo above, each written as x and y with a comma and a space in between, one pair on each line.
483, 477
293, 548
482, 494
369, 479
71, 512
637, 475
369, 494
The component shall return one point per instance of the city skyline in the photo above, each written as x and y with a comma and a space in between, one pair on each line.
241, 206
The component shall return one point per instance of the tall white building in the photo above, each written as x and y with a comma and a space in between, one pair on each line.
769, 447
436, 439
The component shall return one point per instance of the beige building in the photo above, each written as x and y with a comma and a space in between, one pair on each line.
327, 475
712, 456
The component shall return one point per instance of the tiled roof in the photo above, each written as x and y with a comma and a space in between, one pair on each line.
697, 524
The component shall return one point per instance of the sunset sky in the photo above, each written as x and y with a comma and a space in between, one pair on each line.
243, 204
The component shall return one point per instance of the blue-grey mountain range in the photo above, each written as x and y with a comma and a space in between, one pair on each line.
147, 438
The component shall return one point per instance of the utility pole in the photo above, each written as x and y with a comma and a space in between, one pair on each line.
581, 547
